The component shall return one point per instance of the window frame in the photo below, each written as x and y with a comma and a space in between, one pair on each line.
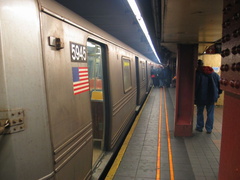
143, 70
129, 85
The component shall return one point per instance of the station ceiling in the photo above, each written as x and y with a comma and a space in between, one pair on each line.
169, 22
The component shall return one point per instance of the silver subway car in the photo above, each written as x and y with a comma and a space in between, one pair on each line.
68, 92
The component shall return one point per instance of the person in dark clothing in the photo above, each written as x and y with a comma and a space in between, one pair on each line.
167, 76
160, 77
154, 76
207, 91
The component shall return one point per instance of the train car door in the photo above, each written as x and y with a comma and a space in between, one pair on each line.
96, 55
148, 76
141, 80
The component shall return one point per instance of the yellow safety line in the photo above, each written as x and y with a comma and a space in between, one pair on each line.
121, 152
169, 140
158, 170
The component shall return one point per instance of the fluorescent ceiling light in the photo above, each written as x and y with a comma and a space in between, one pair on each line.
141, 22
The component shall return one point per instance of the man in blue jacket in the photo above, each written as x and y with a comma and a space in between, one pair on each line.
207, 90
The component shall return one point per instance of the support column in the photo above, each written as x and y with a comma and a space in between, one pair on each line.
186, 59
229, 167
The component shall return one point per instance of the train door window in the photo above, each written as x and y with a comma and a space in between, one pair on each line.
95, 55
127, 81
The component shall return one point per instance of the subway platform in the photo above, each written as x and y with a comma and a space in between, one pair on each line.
152, 152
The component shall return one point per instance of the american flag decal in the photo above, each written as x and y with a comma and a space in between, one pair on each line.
80, 80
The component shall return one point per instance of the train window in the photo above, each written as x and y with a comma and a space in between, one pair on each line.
127, 81
143, 71
95, 65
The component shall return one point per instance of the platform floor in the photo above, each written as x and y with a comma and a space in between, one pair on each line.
151, 151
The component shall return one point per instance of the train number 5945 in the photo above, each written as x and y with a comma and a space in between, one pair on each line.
78, 52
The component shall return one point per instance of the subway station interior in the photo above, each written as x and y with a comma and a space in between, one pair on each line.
182, 32
121, 126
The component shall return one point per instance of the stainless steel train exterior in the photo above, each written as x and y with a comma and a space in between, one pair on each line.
68, 91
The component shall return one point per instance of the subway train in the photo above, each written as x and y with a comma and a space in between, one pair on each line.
69, 92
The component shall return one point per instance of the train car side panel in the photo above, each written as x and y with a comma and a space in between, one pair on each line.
123, 91
67, 84
26, 154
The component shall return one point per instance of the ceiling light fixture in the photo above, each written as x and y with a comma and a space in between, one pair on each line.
141, 22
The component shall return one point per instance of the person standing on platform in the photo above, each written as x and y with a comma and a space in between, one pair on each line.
207, 91
154, 77
167, 76
160, 76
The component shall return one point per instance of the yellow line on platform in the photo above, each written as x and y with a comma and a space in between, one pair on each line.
169, 140
121, 152
158, 170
